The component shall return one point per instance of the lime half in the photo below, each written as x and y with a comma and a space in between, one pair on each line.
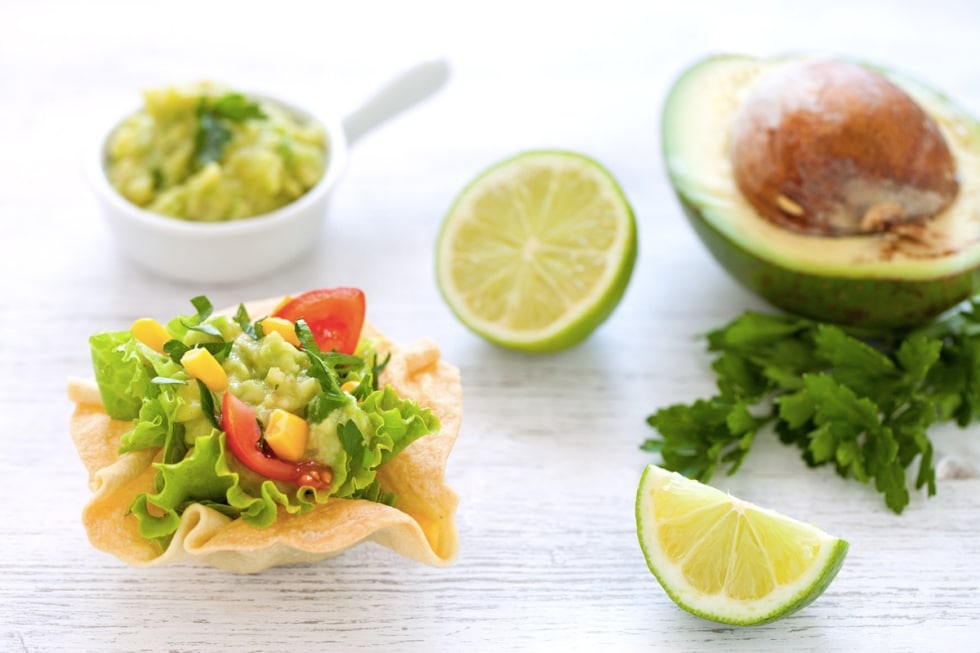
537, 251
727, 560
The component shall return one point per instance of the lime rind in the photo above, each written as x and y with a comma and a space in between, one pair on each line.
784, 601
588, 311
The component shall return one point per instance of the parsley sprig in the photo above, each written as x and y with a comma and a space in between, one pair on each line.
213, 118
859, 400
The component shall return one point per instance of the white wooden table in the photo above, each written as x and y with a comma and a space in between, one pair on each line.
547, 461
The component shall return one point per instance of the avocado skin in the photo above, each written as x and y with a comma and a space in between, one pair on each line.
878, 303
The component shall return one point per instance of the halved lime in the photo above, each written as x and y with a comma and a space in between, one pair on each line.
727, 560
537, 251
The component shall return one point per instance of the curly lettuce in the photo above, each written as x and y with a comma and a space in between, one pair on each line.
121, 373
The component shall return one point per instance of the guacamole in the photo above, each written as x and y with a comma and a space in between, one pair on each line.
204, 153
269, 373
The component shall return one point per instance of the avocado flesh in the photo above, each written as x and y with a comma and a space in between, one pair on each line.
880, 280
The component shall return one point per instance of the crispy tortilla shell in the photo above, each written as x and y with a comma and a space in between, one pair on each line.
421, 526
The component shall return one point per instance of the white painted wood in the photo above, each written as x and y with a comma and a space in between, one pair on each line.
547, 461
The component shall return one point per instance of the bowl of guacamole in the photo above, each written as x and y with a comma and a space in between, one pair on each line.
206, 183
205, 153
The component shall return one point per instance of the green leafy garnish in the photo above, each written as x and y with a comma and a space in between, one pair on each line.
252, 329
377, 368
159, 181
203, 306
861, 401
213, 118
211, 413
199, 322
305, 337
237, 108
175, 349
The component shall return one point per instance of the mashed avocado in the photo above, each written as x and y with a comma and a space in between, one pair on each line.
204, 153
269, 373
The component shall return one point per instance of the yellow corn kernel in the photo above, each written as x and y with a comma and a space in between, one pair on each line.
151, 333
201, 365
286, 434
349, 386
283, 327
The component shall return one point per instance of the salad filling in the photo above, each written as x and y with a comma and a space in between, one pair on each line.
254, 417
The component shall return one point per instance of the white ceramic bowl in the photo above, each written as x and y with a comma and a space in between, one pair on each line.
238, 250
216, 252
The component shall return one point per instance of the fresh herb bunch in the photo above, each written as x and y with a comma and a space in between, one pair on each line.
860, 400
213, 116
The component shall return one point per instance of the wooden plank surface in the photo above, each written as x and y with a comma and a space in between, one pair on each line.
547, 461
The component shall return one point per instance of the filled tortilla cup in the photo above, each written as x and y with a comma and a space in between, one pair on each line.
420, 526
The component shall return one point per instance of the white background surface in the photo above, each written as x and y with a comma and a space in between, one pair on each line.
547, 461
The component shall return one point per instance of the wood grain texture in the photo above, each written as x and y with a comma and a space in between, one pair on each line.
547, 460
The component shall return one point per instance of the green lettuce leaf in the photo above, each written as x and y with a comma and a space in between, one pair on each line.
395, 424
200, 476
399, 422
204, 476
208, 474
120, 372
157, 421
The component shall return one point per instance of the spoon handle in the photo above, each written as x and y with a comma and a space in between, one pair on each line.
405, 90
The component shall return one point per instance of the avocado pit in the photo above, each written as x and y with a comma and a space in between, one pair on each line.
835, 149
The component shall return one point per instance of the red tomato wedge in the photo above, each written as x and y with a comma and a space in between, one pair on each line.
335, 316
244, 439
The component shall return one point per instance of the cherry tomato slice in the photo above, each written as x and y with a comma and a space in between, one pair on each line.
335, 316
244, 439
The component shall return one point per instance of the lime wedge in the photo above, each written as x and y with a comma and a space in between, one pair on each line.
727, 560
537, 251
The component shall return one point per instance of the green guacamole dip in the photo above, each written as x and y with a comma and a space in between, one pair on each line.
203, 153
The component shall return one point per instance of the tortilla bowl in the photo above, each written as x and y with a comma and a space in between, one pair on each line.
420, 527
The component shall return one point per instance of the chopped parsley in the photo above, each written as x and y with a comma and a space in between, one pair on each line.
213, 118
861, 401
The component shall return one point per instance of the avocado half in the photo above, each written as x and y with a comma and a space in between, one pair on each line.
871, 280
